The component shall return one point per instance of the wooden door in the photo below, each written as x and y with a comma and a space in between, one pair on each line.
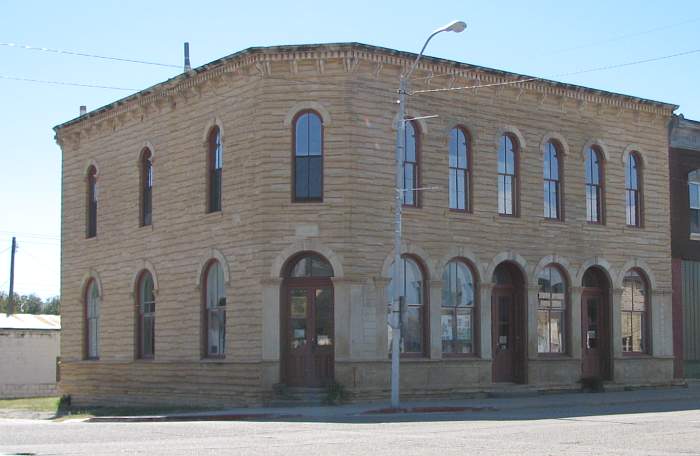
309, 345
594, 336
506, 336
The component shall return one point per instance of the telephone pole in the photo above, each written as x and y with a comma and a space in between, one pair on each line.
11, 298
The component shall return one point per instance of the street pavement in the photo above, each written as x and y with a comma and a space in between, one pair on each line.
651, 422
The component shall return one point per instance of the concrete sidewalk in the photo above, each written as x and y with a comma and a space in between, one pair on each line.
472, 408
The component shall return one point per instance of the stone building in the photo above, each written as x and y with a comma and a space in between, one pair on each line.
684, 162
230, 230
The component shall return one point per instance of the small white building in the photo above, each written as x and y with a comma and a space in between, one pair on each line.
29, 350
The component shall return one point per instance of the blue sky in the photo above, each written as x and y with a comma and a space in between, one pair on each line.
540, 38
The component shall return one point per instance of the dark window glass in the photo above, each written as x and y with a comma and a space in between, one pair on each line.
215, 311
146, 187
215, 169
457, 318
412, 313
311, 265
634, 314
308, 157
92, 323
632, 191
459, 170
92, 202
507, 176
552, 169
694, 198
147, 316
551, 311
410, 166
594, 188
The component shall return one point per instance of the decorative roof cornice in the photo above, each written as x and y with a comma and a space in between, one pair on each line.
260, 59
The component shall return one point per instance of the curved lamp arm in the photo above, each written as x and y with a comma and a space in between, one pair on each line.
454, 26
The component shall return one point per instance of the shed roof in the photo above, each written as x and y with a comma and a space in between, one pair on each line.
30, 321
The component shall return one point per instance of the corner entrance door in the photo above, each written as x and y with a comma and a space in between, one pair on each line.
594, 330
309, 342
506, 336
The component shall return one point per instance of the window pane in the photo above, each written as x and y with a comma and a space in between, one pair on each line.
543, 331
324, 317
453, 189
302, 136
462, 155
410, 142
217, 332
695, 221
413, 334
502, 155
508, 194
301, 177
453, 147
315, 176
315, 134
637, 331
414, 283
148, 336
461, 191
501, 195
409, 184
694, 190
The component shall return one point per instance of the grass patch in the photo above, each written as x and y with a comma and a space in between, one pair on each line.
33, 404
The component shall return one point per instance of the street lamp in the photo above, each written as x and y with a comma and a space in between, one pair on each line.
395, 319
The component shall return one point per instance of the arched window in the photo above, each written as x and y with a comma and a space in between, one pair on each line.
635, 311
146, 317
633, 204
311, 265
411, 176
551, 311
552, 187
507, 176
215, 167
146, 187
459, 179
308, 157
92, 320
91, 225
458, 304
694, 199
215, 311
594, 186
413, 309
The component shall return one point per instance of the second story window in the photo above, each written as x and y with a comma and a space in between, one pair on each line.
146, 187
507, 176
91, 214
594, 186
632, 191
215, 165
410, 166
694, 199
552, 190
308, 158
459, 170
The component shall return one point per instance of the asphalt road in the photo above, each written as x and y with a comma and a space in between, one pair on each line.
643, 428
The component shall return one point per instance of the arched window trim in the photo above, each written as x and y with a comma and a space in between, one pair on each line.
208, 313
295, 198
425, 311
554, 186
414, 166
646, 324
633, 193
145, 316
543, 298
475, 308
91, 320
146, 187
599, 188
509, 175
215, 155
91, 198
293, 261
458, 171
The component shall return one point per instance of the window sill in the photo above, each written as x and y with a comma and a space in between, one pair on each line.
507, 218
636, 355
146, 227
552, 222
213, 360
214, 214
458, 356
554, 356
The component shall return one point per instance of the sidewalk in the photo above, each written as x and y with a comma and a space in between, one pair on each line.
679, 397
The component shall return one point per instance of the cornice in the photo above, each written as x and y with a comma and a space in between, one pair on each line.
257, 63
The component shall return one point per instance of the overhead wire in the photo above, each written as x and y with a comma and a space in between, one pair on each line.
64, 83
85, 54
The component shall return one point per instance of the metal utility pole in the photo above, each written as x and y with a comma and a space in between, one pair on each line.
397, 279
11, 298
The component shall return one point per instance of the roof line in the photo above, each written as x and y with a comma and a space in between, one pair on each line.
367, 47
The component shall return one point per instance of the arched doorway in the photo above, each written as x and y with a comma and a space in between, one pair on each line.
595, 325
508, 324
307, 327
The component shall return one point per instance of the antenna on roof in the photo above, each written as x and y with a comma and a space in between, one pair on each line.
187, 57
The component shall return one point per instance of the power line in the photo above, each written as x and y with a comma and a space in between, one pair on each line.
74, 84
590, 70
84, 54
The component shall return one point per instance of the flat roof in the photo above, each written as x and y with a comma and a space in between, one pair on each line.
300, 48
30, 321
